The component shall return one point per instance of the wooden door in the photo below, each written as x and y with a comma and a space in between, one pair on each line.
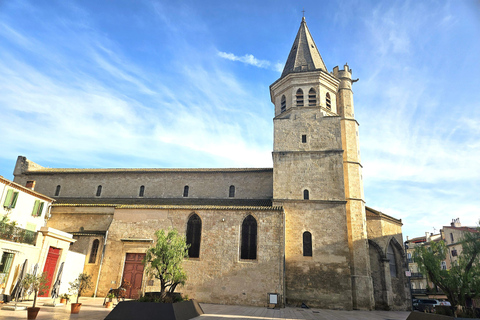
133, 273
49, 269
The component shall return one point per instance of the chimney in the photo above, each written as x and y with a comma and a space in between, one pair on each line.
427, 236
30, 184
456, 223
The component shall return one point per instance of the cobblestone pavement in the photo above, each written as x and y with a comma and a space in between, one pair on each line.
92, 309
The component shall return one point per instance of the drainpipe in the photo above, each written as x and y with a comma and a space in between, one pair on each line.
101, 259
408, 278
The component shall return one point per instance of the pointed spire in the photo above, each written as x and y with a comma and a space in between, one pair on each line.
304, 55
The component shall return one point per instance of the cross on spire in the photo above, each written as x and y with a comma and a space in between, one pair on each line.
303, 11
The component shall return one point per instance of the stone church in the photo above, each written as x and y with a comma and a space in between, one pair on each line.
300, 229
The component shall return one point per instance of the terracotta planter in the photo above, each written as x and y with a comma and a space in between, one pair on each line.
32, 312
108, 304
64, 301
76, 307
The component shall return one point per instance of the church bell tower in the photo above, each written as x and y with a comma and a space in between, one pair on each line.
317, 180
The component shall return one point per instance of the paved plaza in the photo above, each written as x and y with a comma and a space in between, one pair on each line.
92, 309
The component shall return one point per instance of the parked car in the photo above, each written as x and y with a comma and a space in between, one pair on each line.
426, 305
445, 303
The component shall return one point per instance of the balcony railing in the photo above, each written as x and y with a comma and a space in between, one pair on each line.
416, 275
419, 291
16, 234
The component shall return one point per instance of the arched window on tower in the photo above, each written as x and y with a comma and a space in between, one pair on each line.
57, 191
141, 192
185, 191
94, 251
99, 191
328, 101
392, 261
299, 96
231, 192
283, 104
249, 238
312, 97
307, 244
306, 194
194, 234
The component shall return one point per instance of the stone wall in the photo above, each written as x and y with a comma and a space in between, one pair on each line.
218, 275
158, 183
322, 280
391, 291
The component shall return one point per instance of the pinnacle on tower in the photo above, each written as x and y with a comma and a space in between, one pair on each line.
304, 55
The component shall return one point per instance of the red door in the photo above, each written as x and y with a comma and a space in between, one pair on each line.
49, 269
133, 273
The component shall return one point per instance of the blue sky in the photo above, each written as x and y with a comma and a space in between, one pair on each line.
185, 84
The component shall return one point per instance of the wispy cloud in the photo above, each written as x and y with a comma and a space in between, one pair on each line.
418, 146
251, 60
103, 106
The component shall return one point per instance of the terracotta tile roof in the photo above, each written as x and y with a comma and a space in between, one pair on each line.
170, 203
373, 212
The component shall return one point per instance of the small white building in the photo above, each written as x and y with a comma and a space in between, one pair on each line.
24, 235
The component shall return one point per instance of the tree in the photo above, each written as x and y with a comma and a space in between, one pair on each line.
35, 284
462, 280
82, 283
164, 261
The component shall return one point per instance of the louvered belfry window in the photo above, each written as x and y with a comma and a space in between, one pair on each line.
194, 234
249, 238
299, 96
312, 98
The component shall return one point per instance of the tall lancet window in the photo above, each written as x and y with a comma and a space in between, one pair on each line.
141, 192
312, 98
307, 244
94, 251
185, 191
231, 192
328, 101
283, 104
99, 191
249, 238
392, 261
194, 234
299, 97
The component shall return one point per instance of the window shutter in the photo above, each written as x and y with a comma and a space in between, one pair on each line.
8, 198
35, 207
39, 213
14, 201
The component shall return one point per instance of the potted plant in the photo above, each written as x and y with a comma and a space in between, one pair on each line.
35, 284
78, 287
109, 303
64, 298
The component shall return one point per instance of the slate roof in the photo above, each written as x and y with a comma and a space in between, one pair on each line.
304, 55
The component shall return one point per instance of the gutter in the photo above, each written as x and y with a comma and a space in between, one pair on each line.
101, 259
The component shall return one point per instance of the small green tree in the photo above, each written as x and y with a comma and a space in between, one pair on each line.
164, 261
82, 283
462, 280
35, 284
